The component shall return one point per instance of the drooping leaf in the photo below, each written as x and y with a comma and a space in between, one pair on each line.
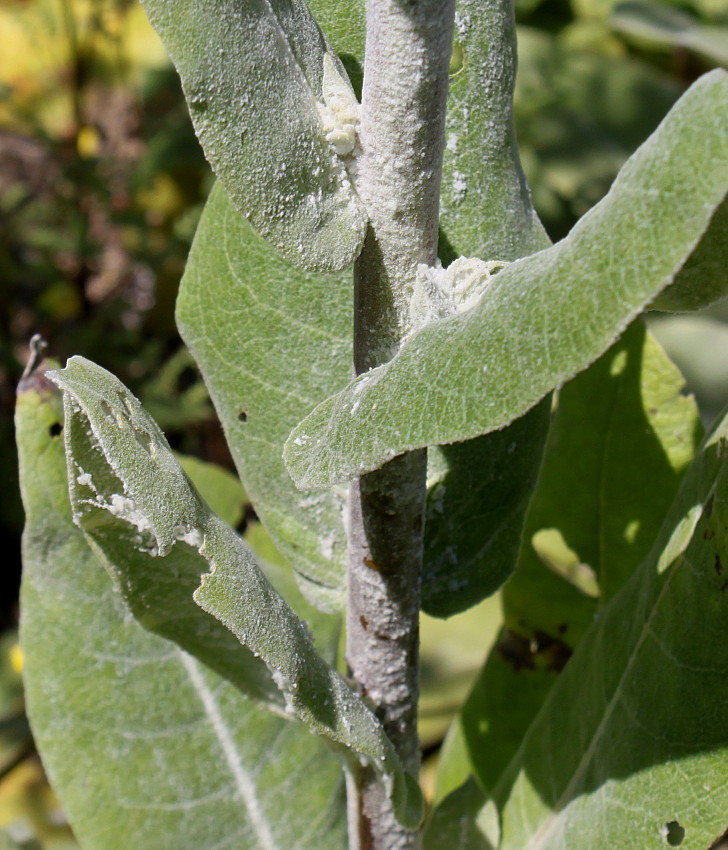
621, 438
145, 746
159, 541
630, 747
542, 319
271, 341
252, 74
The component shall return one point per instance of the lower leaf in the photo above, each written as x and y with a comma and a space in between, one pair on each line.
158, 540
146, 747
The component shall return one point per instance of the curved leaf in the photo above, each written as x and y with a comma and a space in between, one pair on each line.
252, 74
138, 509
479, 489
146, 747
486, 208
631, 743
542, 319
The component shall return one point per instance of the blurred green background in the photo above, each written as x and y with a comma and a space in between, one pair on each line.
101, 185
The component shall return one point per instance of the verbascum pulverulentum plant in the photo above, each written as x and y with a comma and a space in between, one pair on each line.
173, 690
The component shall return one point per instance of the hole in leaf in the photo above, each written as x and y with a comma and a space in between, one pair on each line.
243, 416
56, 429
673, 833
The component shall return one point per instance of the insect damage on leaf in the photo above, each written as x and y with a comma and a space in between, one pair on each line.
340, 110
441, 292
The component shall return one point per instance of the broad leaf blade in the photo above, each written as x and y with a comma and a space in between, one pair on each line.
543, 318
632, 737
145, 747
271, 341
252, 75
621, 438
155, 534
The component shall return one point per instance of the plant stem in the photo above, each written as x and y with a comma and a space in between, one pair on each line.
402, 138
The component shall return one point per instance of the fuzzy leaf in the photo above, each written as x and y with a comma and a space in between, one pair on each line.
621, 438
479, 489
129, 726
264, 375
486, 208
252, 74
155, 534
542, 319
271, 341
630, 747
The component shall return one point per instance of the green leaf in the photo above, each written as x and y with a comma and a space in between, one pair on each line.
541, 319
146, 747
271, 341
664, 24
219, 488
265, 374
631, 744
479, 489
478, 494
158, 539
702, 280
453, 823
486, 208
253, 75
621, 438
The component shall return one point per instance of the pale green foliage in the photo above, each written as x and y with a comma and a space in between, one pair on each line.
252, 73
636, 707
134, 503
543, 318
177, 698
620, 440
102, 691
271, 340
